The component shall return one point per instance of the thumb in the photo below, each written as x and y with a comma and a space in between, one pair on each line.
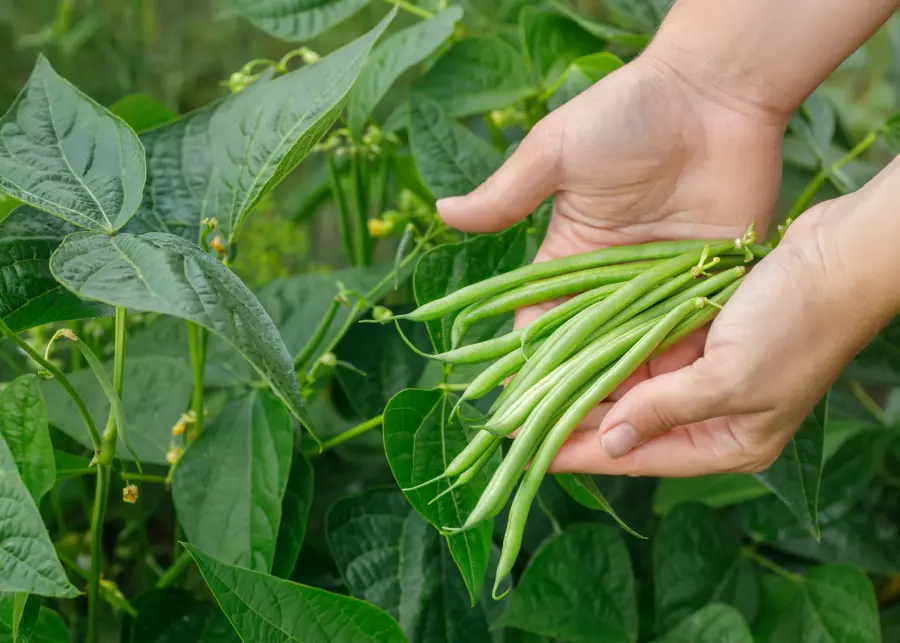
658, 404
528, 177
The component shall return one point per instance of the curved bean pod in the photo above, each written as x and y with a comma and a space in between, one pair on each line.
466, 458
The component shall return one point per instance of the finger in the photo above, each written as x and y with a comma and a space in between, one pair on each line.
593, 419
528, 177
661, 403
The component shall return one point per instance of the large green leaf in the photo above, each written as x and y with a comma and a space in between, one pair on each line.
712, 624
394, 56
29, 295
174, 616
716, 491
63, 153
19, 613
297, 20
452, 266
450, 158
593, 595
265, 608
142, 112
298, 498
552, 42
389, 556
795, 477
49, 628
229, 485
420, 440
222, 160
28, 562
695, 562
581, 74
23, 424
157, 391
162, 273
828, 603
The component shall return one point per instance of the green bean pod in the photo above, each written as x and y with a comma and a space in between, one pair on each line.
469, 474
473, 353
597, 392
466, 458
700, 318
493, 376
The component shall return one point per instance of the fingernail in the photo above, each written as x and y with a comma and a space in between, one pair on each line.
619, 440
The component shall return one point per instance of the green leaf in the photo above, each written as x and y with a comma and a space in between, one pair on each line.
477, 75
19, 615
829, 603
174, 616
716, 491
28, 561
394, 56
389, 556
229, 484
142, 112
712, 624
582, 488
695, 562
641, 16
795, 477
593, 595
604, 31
161, 273
298, 498
890, 624
420, 440
29, 295
552, 42
23, 424
265, 608
581, 74
297, 20
849, 473
156, 393
450, 158
7, 205
63, 153
49, 628
222, 160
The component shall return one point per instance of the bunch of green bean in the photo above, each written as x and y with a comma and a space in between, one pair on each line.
627, 303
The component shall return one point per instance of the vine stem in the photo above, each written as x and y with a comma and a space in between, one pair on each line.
174, 571
772, 566
58, 375
344, 436
865, 400
318, 335
411, 8
361, 197
340, 198
197, 337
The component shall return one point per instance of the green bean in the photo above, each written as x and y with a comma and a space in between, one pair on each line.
561, 430
545, 290
509, 280
469, 474
466, 458
473, 353
698, 319
493, 376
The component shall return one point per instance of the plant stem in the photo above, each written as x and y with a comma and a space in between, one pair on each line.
197, 337
59, 377
318, 335
343, 209
144, 477
344, 436
101, 496
865, 400
172, 574
810, 191
111, 432
772, 566
361, 197
411, 8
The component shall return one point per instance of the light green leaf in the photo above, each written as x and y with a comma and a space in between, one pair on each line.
142, 112
161, 273
7, 205
394, 56
450, 158
297, 20
63, 153
19, 614
389, 556
157, 392
712, 624
229, 484
265, 608
298, 498
420, 440
716, 491
583, 490
581, 74
28, 562
23, 424
593, 596
49, 628
552, 42
695, 562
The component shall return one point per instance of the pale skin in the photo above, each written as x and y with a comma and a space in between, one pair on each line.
685, 142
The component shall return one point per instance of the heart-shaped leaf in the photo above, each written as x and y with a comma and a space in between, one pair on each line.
265, 608
63, 153
229, 485
23, 424
297, 20
714, 623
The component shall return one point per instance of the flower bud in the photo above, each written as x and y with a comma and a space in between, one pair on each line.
130, 494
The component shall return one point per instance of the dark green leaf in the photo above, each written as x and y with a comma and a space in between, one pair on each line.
265, 608
879, 361
28, 562
890, 625
641, 16
19, 615
849, 473
604, 31
229, 485
593, 595
394, 56
23, 424
298, 497
49, 628
552, 42
717, 491
696, 562
420, 440
174, 616
581, 74
450, 158
892, 133
582, 488
63, 153
712, 624
142, 112
157, 391
795, 477
297, 20
162, 273
389, 556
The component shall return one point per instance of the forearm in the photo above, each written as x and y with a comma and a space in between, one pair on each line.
768, 54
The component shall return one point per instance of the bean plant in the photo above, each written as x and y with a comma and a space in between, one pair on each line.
186, 459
